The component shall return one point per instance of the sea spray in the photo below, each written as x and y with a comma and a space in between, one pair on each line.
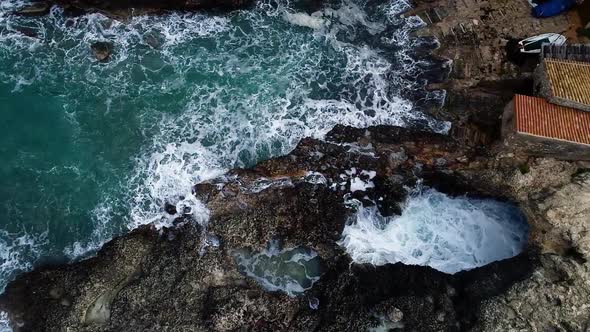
4, 322
450, 234
18, 252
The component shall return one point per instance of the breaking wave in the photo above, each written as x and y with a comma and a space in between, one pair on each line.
449, 234
18, 252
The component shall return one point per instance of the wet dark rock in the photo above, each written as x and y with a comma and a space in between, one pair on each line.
102, 50
170, 208
153, 40
29, 32
151, 276
71, 10
56, 293
152, 280
65, 302
394, 314
35, 9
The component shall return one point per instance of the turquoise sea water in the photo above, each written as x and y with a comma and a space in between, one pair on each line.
89, 150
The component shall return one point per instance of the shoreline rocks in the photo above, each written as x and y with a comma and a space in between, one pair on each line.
162, 280
137, 279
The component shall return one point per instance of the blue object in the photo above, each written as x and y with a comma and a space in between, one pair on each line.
552, 8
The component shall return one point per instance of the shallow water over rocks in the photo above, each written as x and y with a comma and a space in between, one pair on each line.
292, 271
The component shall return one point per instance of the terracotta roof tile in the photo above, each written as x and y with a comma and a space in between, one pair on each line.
569, 79
535, 116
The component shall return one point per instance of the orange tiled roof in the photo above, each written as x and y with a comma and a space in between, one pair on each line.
569, 79
535, 116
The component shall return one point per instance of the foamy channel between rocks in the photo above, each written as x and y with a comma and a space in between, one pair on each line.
449, 234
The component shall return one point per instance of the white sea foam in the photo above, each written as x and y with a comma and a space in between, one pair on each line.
65, 41
222, 125
315, 178
449, 234
238, 92
4, 322
358, 184
18, 252
360, 181
350, 14
101, 217
305, 20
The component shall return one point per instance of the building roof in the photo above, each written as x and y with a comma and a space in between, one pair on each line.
569, 80
535, 116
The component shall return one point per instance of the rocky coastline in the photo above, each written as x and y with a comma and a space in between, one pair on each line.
161, 280
165, 280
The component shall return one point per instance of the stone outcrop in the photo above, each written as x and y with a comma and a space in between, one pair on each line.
553, 194
554, 298
478, 38
166, 280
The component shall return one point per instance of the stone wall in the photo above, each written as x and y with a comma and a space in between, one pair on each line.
544, 147
508, 126
542, 88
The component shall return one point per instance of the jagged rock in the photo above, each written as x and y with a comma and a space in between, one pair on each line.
35, 9
143, 281
566, 208
86, 289
102, 50
160, 280
554, 298
553, 194
170, 208
29, 32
